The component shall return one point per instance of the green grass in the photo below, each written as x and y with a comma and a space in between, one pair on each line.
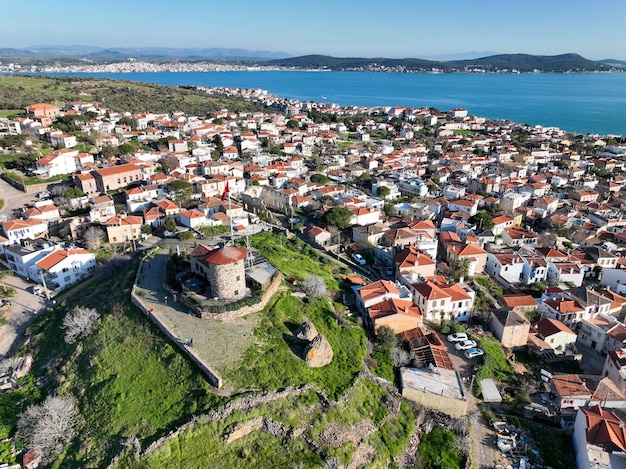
127, 378
294, 258
11, 112
494, 364
204, 444
1, 203
29, 181
438, 450
275, 362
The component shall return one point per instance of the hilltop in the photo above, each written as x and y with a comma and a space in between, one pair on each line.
496, 63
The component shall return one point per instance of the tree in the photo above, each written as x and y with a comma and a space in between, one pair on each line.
383, 192
292, 124
181, 188
125, 149
50, 425
339, 217
385, 336
92, 238
461, 268
483, 220
79, 322
73, 193
318, 178
129, 121
547, 240
169, 225
314, 286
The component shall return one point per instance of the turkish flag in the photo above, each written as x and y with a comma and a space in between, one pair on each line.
226, 191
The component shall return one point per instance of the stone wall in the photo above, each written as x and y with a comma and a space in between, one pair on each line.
223, 280
244, 310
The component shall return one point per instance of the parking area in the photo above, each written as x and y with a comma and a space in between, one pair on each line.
25, 306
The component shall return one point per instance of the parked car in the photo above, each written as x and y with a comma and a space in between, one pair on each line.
465, 345
474, 352
43, 195
457, 337
358, 258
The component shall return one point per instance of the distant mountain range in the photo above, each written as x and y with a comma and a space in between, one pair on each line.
468, 62
495, 63
100, 54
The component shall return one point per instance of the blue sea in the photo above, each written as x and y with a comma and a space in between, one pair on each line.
583, 103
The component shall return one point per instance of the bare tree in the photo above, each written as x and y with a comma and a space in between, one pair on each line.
314, 286
92, 238
79, 322
400, 357
49, 425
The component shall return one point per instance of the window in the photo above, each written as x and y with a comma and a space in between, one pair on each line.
238, 277
67, 279
236, 292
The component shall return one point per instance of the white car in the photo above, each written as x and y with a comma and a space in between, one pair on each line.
457, 337
358, 258
474, 352
465, 345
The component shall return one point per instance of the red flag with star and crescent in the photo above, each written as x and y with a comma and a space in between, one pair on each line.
226, 191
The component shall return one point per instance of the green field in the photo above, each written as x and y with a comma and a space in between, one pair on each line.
17, 92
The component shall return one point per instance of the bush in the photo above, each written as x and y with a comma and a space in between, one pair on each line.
79, 323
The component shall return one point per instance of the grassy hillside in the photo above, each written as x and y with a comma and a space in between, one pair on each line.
18, 91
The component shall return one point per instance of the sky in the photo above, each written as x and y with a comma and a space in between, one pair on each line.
341, 28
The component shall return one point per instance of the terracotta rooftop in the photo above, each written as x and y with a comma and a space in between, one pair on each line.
226, 255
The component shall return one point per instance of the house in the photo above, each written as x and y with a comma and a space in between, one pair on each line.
57, 162
439, 300
518, 236
369, 233
464, 205
115, 177
319, 236
63, 267
86, 182
556, 334
375, 293
43, 112
123, 228
192, 218
564, 310
397, 314
510, 327
570, 391
21, 257
506, 268
16, 230
101, 209
500, 223
602, 333
519, 302
599, 439
475, 256
411, 265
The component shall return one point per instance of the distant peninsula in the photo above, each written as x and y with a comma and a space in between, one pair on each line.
505, 63
92, 60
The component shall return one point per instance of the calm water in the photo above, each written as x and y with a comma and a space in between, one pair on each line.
594, 103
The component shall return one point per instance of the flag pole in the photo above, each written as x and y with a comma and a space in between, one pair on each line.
230, 217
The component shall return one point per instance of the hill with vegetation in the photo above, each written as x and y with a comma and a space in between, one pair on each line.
495, 63
19, 91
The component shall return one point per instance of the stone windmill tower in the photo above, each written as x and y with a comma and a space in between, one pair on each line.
225, 270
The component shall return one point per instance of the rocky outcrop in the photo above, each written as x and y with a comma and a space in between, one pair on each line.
318, 353
306, 331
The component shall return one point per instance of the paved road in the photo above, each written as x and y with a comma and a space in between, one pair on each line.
483, 450
25, 308
13, 198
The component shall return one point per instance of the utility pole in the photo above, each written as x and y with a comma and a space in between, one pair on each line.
43, 282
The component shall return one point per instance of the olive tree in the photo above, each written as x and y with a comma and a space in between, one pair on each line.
314, 286
50, 425
79, 322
